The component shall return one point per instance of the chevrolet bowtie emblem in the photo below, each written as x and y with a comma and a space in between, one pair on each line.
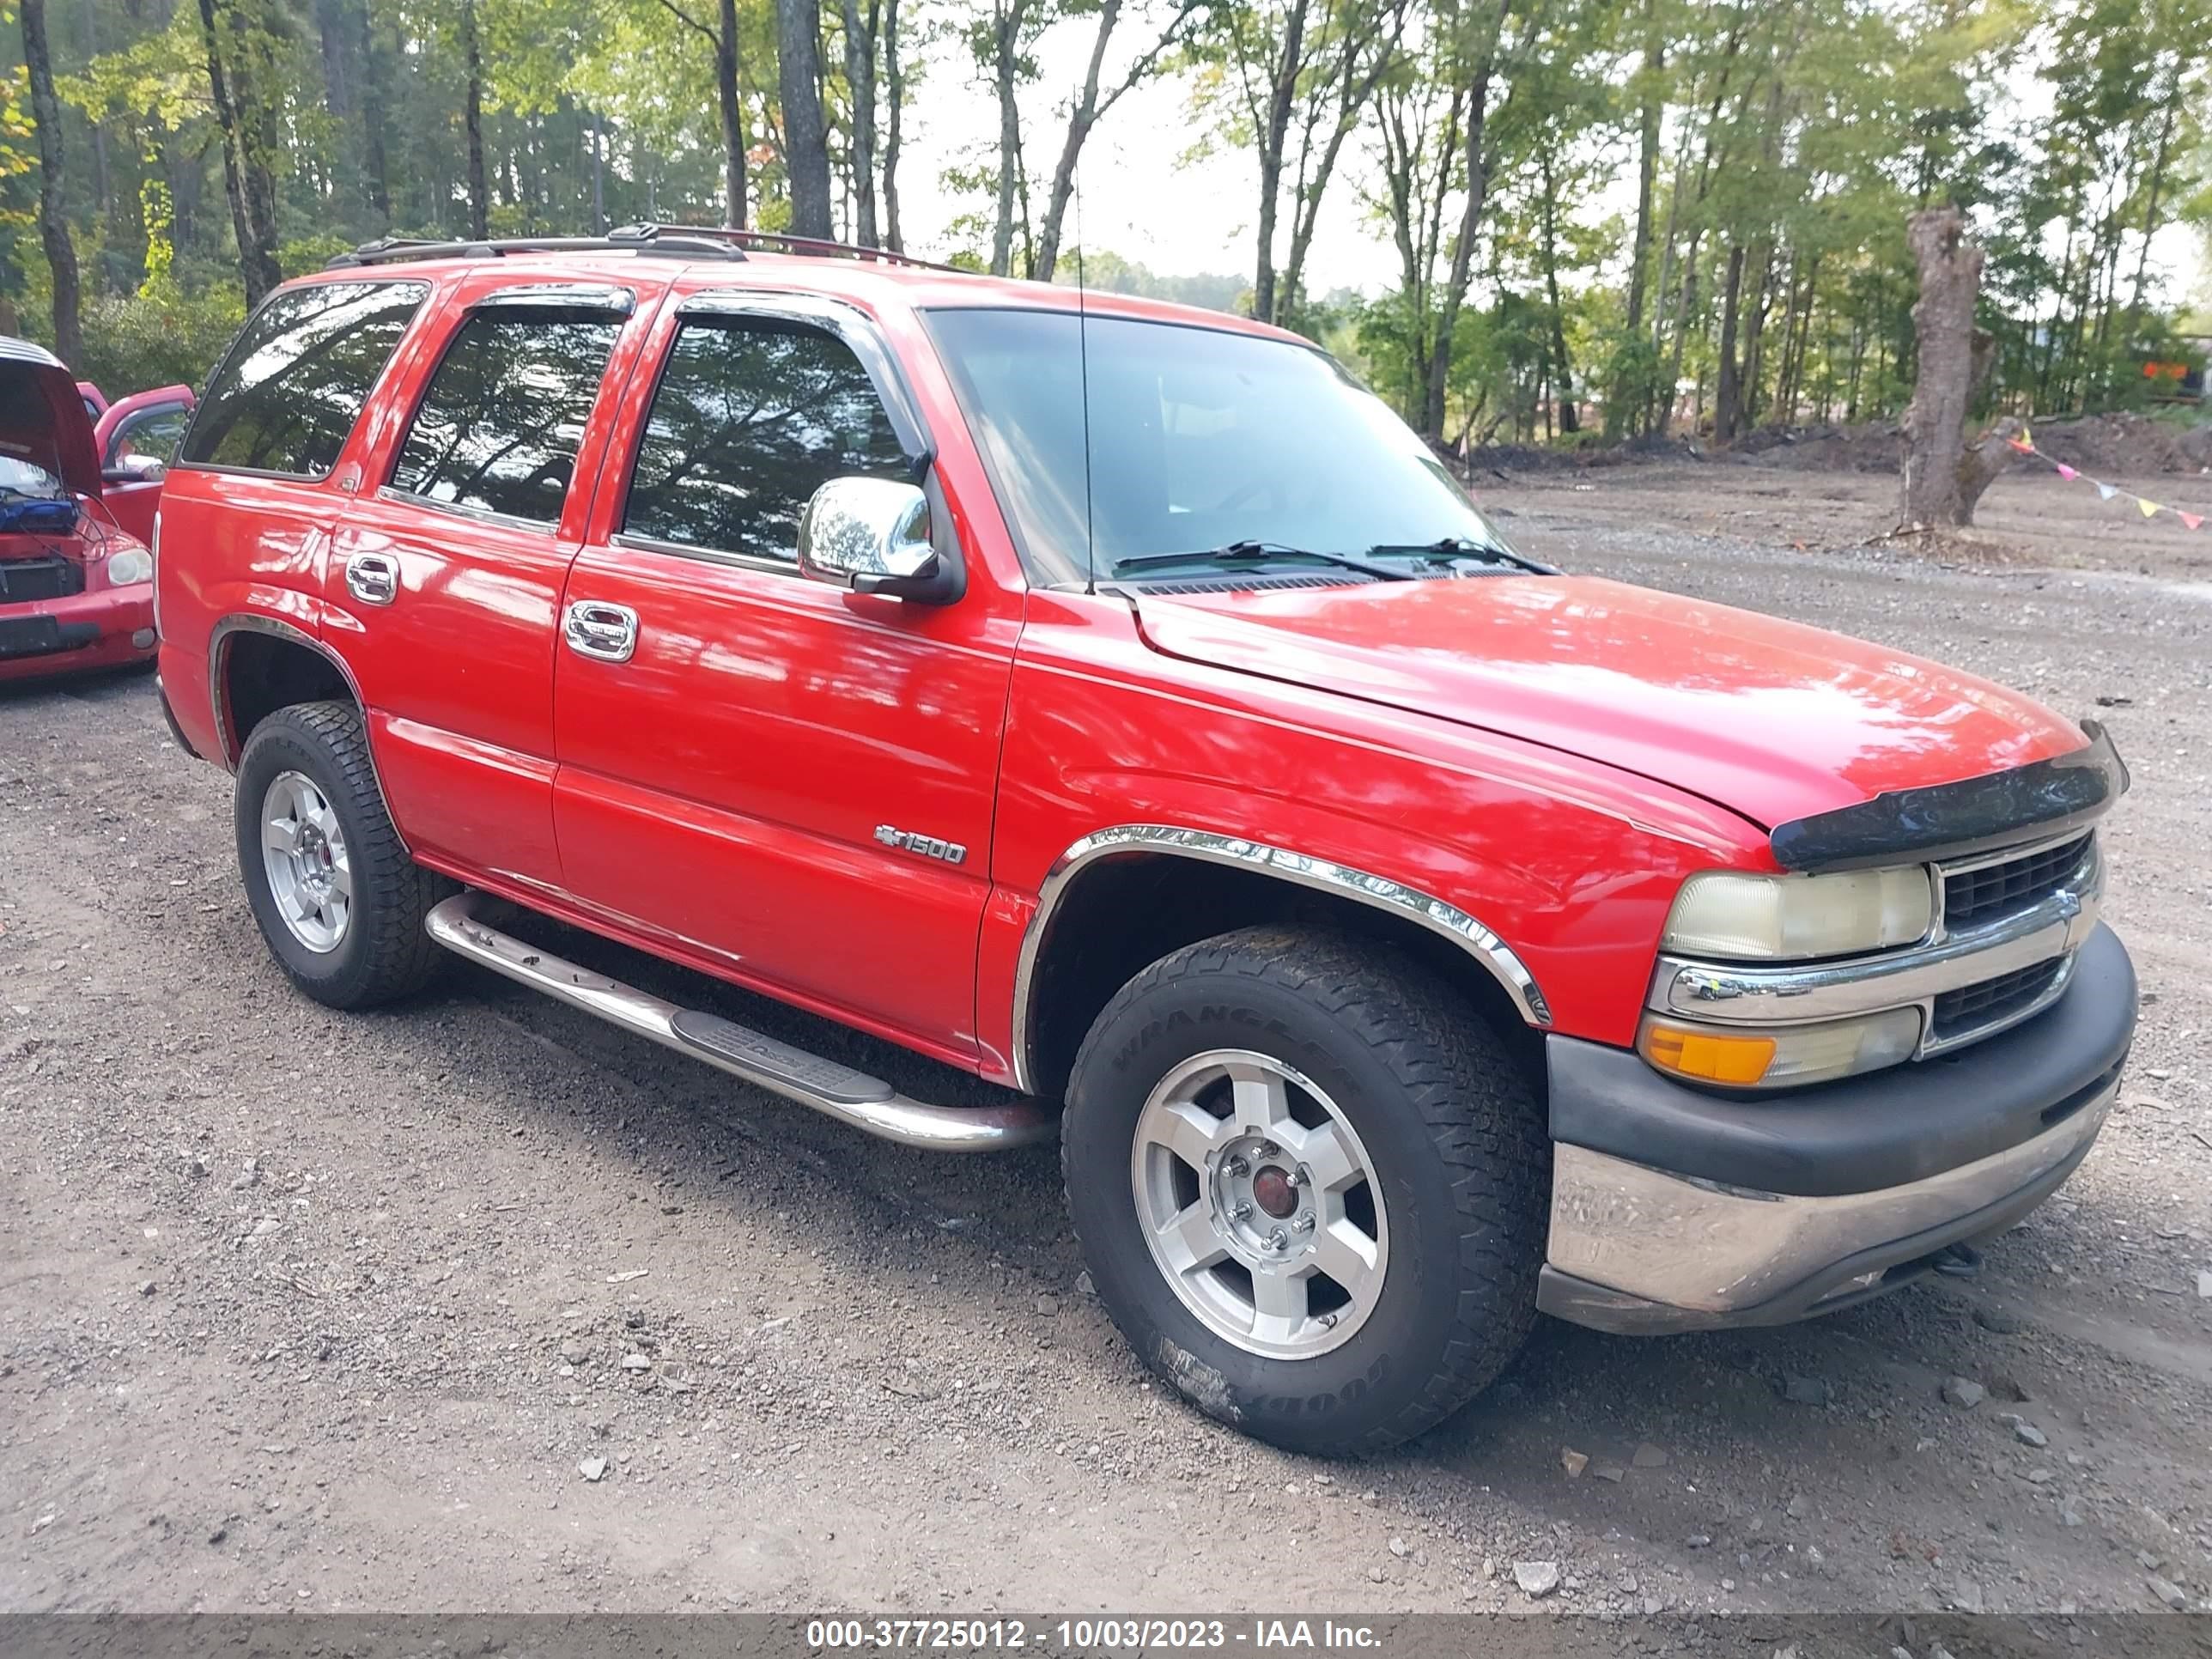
949, 851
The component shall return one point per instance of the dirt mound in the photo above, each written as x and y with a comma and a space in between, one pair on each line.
1533, 457
1869, 446
2125, 445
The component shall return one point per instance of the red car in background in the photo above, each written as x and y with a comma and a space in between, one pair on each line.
137, 438
77, 584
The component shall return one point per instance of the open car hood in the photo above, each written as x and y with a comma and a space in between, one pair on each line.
1772, 718
55, 400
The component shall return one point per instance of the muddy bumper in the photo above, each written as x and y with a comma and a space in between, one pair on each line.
1677, 1210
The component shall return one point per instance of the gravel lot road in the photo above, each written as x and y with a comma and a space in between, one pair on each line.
299, 1310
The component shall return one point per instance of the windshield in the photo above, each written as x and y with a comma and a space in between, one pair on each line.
1200, 438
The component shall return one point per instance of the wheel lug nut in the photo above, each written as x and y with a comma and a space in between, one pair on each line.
1240, 1212
1278, 1240
1296, 1177
1268, 1149
1304, 1223
1237, 1167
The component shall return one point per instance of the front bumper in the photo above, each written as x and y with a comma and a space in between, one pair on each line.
103, 627
1673, 1209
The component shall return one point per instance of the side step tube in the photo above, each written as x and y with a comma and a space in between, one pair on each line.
851, 1097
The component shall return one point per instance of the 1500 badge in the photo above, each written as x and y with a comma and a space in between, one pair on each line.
951, 852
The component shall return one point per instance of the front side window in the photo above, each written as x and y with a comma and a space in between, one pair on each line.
500, 425
751, 417
1197, 438
289, 393
149, 437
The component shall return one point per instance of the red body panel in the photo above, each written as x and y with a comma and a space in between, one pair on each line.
1550, 756
1776, 719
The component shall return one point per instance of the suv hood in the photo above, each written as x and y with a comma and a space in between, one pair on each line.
1772, 718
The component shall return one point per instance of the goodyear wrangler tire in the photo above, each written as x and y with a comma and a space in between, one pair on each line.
338, 899
1310, 1185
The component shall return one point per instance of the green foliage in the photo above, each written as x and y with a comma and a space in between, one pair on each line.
1787, 146
133, 342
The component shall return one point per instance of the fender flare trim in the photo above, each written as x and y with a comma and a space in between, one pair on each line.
231, 743
1379, 893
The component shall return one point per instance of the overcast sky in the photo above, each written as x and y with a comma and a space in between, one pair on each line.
1144, 199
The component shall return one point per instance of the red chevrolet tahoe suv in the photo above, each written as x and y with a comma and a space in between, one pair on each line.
1114, 701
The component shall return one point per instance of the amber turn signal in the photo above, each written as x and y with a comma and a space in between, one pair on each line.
1708, 1056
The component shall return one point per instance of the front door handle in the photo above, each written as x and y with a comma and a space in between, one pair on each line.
606, 633
373, 577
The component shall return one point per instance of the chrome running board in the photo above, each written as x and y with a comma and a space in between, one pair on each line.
838, 1092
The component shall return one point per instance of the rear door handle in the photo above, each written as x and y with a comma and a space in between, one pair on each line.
594, 629
373, 577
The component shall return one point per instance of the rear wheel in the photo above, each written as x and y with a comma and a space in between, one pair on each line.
338, 899
1311, 1187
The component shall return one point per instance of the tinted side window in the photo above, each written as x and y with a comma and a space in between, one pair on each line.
289, 393
151, 433
750, 419
499, 428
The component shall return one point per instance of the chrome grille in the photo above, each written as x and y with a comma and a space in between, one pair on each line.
49, 576
1993, 1000
1998, 887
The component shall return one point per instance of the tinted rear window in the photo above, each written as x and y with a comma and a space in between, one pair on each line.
499, 427
292, 387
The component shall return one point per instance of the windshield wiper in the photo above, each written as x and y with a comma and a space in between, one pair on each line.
1448, 548
1251, 552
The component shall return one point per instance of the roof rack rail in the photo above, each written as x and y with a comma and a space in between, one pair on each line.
629, 239
767, 242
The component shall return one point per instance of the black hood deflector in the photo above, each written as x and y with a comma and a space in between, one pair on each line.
1956, 820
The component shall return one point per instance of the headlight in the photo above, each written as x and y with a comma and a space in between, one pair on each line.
131, 565
1777, 1056
1724, 914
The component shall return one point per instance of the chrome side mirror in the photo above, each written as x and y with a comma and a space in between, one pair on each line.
872, 535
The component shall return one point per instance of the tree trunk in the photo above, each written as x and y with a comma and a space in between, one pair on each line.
378, 169
1562, 372
861, 77
472, 119
53, 220
733, 112
257, 257
1079, 120
805, 139
1273, 136
1727, 397
1944, 477
598, 174
1617, 410
894, 113
1006, 66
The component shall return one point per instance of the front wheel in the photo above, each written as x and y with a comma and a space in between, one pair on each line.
1310, 1185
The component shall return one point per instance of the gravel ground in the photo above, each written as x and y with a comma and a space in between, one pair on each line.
302, 1310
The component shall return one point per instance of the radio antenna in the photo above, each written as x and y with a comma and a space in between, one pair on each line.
1082, 363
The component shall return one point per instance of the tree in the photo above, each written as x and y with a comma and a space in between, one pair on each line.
53, 225
806, 137
722, 37
860, 30
1296, 78
1944, 476
472, 119
246, 129
1089, 106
